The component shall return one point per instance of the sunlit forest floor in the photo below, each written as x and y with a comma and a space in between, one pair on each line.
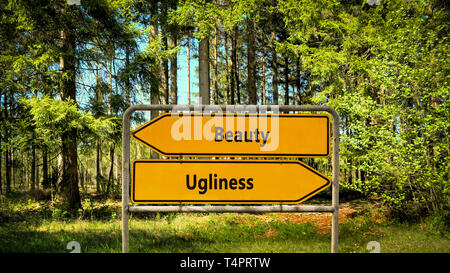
41, 226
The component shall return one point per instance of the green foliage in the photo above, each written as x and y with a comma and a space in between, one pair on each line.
58, 213
383, 69
52, 118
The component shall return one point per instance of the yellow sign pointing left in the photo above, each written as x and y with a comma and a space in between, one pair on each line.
233, 134
224, 182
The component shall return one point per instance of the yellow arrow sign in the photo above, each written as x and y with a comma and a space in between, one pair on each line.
229, 134
224, 182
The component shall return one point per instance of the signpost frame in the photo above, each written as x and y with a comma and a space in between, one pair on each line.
126, 208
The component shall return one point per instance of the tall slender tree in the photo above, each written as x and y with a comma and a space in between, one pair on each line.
68, 183
251, 61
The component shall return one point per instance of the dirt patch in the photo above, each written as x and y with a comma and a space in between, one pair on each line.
253, 220
270, 233
322, 221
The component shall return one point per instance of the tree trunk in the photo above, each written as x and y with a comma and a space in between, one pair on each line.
98, 166
7, 158
165, 62
236, 70
81, 175
111, 170
298, 82
27, 177
155, 68
22, 171
173, 75
86, 176
1, 178
286, 78
188, 63
263, 79
45, 179
173, 61
1, 142
204, 70
274, 69
37, 171
13, 168
215, 79
68, 185
165, 79
227, 68
251, 63
110, 86
116, 170
127, 80
233, 69
33, 167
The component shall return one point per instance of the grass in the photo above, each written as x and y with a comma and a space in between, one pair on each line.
29, 226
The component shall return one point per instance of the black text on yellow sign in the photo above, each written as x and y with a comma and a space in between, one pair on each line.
257, 134
224, 182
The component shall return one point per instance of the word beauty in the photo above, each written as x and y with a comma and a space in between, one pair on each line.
215, 134
239, 136
224, 182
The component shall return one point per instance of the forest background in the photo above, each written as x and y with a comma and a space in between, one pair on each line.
69, 69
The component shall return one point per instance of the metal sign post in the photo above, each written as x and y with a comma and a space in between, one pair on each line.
126, 208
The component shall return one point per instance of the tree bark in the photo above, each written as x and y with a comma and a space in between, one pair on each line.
111, 169
98, 166
298, 82
7, 158
227, 68
236, 70
86, 175
233, 69
263, 79
13, 168
165, 62
204, 70
37, 178
127, 80
116, 171
68, 185
1, 142
286, 78
1, 178
274, 68
155, 68
81, 175
174, 60
173, 73
188, 63
45, 179
251, 63
215, 80
33, 167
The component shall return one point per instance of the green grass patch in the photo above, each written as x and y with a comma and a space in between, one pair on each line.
29, 226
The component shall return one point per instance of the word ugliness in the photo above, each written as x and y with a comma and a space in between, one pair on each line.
239, 136
214, 183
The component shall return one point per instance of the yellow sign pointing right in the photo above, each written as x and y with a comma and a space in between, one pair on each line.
224, 182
